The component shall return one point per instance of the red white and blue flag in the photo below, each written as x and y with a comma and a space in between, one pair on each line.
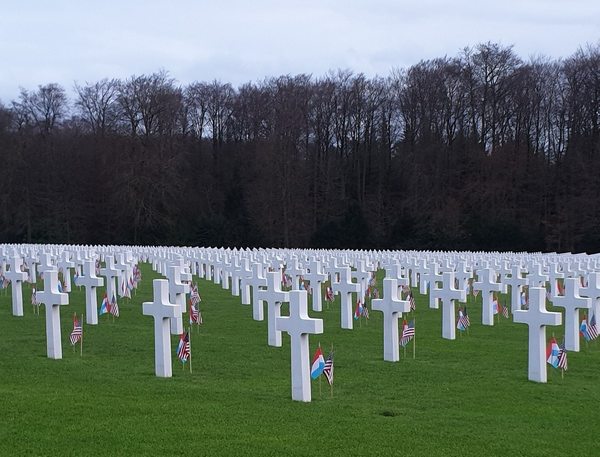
77, 332
183, 348
552, 352
318, 364
408, 332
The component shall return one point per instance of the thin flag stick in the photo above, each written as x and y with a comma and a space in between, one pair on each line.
190, 343
331, 385
320, 392
81, 339
414, 338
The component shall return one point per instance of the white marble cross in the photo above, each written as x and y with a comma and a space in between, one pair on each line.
345, 287
516, 283
90, 281
486, 283
593, 291
315, 277
536, 277
65, 264
177, 293
52, 299
392, 308
257, 280
447, 294
16, 277
162, 311
274, 296
431, 277
537, 318
572, 303
110, 272
298, 325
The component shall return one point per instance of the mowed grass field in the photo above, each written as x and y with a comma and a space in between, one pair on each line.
468, 397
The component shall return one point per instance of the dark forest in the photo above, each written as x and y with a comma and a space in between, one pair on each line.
482, 151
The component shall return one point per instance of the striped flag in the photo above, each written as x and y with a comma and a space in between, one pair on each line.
194, 295
562, 357
194, 314
33, 297
593, 328
408, 332
105, 305
329, 294
183, 348
359, 310
552, 352
114, 307
460, 323
328, 369
466, 317
77, 332
505, 311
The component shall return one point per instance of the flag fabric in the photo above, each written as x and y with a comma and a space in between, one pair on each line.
552, 352
358, 311
194, 314
328, 368
195, 295
33, 297
408, 332
105, 305
60, 286
114, 307
411, 300
183, 348
329, 294
560, 287
497, 305
460, 323
318, 364
467, 320
562, 357
593, 328
77, 332
523, 300
365, 312
584, 329
505, 311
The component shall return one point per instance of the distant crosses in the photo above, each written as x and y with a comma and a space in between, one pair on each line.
448, 294
487, 284
392, 308
90, 281
516, 283
162, 311
274, 296
298, 325
537, 318
52, 299
16, 277
345, 287
572, 303
592, 290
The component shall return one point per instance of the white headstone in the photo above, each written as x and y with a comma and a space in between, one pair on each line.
537, 318
315, 276
392, 308
257, 281
572, 303
16, 276
516, 283
177, 293
298, 325
487, 284
52, 299
448, 294
162, 311
90, 281
274, 296
110, 272
345, 287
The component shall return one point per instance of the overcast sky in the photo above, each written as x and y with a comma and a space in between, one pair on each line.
237, 41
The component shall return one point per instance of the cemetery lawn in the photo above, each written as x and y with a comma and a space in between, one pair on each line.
468, 397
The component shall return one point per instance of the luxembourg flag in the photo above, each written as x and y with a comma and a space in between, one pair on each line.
552, 353
318, 364
105, 306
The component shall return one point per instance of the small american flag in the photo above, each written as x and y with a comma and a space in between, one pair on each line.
77, 332
329, 294
194, 314
593, 328
33, 297
365, 311
505, 311
328, 370
408, 333
562, 357
114, 307
183, 349
195, 296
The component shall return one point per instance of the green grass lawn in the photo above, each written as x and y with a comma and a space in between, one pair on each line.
468, 397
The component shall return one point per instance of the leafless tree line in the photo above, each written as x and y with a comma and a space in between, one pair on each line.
481, 151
